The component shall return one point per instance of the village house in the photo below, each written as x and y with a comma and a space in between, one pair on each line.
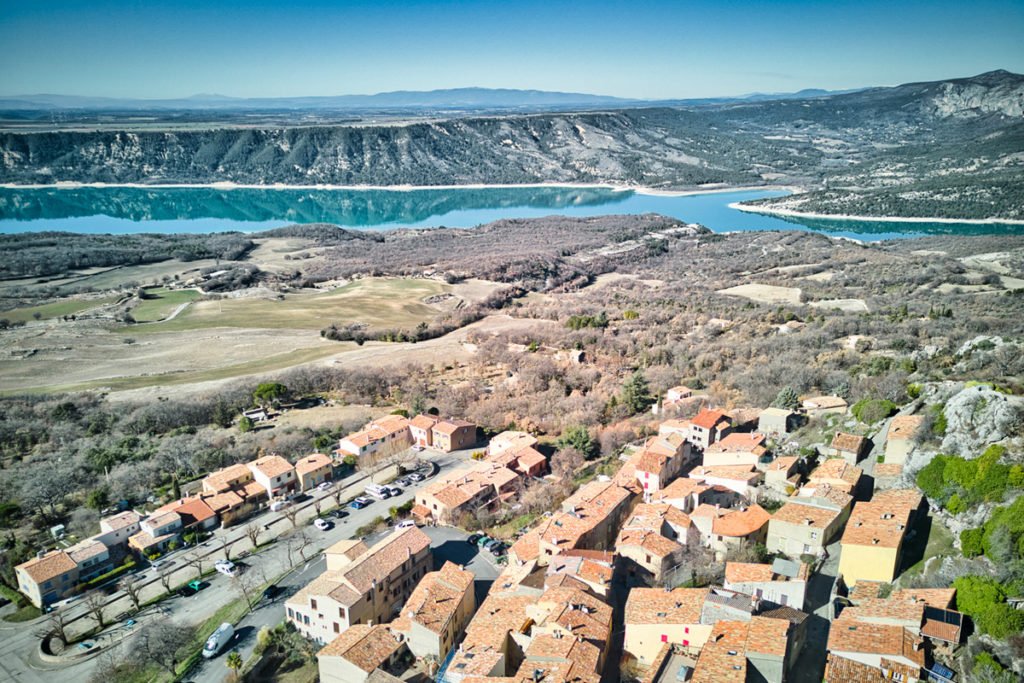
683, 493
453, 435
495, 638
816, 406
849, 447
860, 650
655, 617
525, 460
872, 544
652, 541
358, 652
381, 438
588, 520
741, 651
466, 493
435, 615
510, 441
809, 521
901, 438
722, 528
47, 578
660, 461
673, 399
925, 611
783, 582
195, 514
838, 474
313, 470
776, 421
592, 569
156, 533
275, 474
707, 427
782, 475
736, 449
360, 585
420, 430
233, 494
743, 479
116, 529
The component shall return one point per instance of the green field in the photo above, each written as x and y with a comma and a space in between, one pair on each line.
377, 302
163, 303
55, 309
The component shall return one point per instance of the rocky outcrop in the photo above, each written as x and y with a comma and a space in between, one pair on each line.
979, 416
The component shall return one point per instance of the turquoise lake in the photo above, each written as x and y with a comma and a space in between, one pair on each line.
167, 210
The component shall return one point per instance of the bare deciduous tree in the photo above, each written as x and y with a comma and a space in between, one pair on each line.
132, 587
252, 532
196, 562
161, 643
94, 603
56, 625
165, 575
291, 513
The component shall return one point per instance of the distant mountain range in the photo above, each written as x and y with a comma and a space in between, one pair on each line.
946, 149
455, 98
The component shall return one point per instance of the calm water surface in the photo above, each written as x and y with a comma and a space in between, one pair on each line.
131, 210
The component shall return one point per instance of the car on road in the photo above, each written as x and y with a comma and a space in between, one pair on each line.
483, 540
498, 549
271, 592
405, 524
404, 481
226, 567
340, 514
394, 491
416, 476
473, 539
490, 544
220, 639
321, 524
191, 589
326, 486
278, 505
417, 448
360, 502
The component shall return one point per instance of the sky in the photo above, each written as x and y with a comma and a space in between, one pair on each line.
637, 49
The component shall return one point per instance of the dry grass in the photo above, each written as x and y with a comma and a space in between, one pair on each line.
765, 294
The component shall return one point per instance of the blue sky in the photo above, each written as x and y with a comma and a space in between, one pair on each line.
681, 48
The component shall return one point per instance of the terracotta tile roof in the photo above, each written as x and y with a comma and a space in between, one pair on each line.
709, 419
842, 670
312, 463
850, 635
730, 472
767, 636
163, 519
271, 466
437, 598
527, 546
507, 440
451, 426
904, 426
192, 510
222, 502
384, 557
805, 515
848, 442
529, 457
368, 647
498, 615
741, 523
822, 495
785, 464
748, 572
650, 541
659, 606
837, 470
424, 422
888, 470
348, 547
740, 443
680, 488
909, 499
875, 524
650, 462
390, 424
85, 550
669, 426
224, 478
723, 658
777, 412
665, 444
120, 520
942, 624
545, 649
941, 598
824, 402
421, 511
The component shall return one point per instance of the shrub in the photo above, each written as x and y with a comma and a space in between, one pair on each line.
970, 542
984, 600
871, 410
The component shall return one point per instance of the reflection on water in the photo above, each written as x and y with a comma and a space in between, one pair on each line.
126, 210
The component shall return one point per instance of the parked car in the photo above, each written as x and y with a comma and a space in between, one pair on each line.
321, 524
417, 448
473, 539
226, 567
416, 476
394, 491
278, 505
325, 486
191, 589
405, 524
483, 540
403, 481
271, 592
490, 544
498, 549
340, 514
360, 502
219, 640
377, 491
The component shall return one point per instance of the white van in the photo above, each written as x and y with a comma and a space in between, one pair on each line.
405, 524
377, 491
278, 505
218, 641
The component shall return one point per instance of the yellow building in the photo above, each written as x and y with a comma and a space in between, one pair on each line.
655, 617
872, 544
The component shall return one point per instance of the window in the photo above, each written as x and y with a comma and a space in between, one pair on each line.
305, 619
648, 559
686, 629
664, 638
312, 603
337, 629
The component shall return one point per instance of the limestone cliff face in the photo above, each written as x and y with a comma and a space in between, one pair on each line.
979, 416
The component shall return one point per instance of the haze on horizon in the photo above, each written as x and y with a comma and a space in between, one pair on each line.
651, 50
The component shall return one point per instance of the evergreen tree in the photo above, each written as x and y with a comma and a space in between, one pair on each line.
636, 395
786, 398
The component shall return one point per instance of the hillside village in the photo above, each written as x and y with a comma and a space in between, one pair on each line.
705, 553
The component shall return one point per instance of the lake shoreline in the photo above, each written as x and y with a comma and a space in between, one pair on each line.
770, 211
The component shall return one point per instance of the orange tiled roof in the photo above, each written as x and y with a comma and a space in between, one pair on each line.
850, 635
806, 515
683, 487
875, 524
837, 469
848, 442
271, 466
731, 472
49, 566
909, 499
767, 636
312, 463
723, 658
741, 523
904, 426
451, 426
225, 478
193, 510
120, 520
658, 606
709, 419
424, 422
368, 647
740, 443
436, 599
888, 470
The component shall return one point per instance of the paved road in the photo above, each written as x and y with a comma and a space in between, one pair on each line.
19, 642
446, 544
810, 665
